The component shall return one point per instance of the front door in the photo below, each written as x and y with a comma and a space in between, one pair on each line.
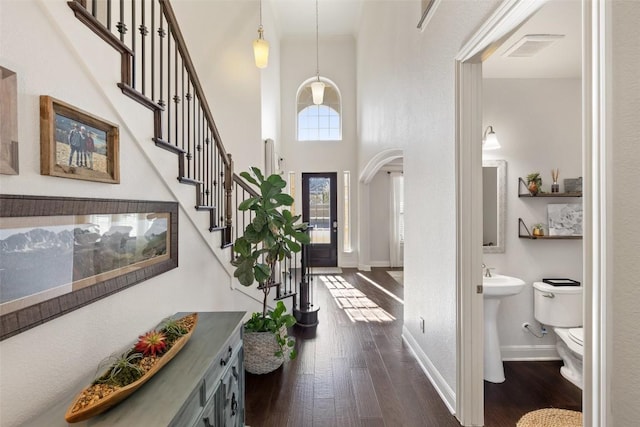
320, 210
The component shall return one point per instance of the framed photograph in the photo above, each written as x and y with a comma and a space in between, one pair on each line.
565, 219
58, 254
76, 144
8, 122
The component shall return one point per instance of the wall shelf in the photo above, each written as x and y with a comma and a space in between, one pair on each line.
528, 235
526, 193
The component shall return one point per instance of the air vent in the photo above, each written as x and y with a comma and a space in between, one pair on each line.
531, 44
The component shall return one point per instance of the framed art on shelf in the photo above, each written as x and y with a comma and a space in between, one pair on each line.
77, 144
565, 219
58, 254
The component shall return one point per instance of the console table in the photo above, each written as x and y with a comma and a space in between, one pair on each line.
202, 386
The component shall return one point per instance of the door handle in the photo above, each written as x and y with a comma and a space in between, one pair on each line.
335, 225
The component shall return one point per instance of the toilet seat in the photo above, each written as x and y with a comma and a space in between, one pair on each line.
577, 335
565, 335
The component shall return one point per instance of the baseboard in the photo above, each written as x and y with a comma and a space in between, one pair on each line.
446, 393
380, 263
529, 352
364, 267
350, 264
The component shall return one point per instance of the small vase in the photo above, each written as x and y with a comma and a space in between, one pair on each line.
533, 188
538, 232
555, 187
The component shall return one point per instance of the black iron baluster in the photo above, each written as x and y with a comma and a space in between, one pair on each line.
188, 97
162, 34
169, 83
133, 43
143, 34
94, 7
109, 15
121, 26
176, 98
153, 51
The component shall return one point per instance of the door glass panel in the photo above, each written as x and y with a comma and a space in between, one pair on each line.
319, 210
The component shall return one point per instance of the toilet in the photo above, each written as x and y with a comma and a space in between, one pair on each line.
560, 307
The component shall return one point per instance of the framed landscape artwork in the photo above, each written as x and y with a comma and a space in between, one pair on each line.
59, 254
77, 144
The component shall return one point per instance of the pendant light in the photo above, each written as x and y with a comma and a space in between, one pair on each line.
261, 46
317, 87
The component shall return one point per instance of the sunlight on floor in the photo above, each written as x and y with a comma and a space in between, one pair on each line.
355, 303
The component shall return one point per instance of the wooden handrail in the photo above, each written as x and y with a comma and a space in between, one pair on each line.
243, 184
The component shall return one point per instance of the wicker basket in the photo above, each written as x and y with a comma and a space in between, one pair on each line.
259, 352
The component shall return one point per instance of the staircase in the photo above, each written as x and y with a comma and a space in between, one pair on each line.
157, 72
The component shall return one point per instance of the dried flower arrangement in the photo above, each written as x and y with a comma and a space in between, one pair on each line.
130, 370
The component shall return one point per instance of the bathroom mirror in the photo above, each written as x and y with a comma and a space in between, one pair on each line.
494, 181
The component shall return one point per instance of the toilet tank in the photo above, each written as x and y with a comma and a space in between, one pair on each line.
559, 306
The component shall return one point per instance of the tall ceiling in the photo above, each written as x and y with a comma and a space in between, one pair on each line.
298, 17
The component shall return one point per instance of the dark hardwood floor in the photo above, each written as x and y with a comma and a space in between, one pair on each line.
528, 386
357, 373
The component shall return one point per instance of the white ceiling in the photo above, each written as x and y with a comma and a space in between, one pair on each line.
298, 17
560, 60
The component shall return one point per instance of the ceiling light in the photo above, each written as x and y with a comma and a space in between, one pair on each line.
490, 140
261, 46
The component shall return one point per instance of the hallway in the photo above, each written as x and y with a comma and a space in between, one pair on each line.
359, 373
349, 373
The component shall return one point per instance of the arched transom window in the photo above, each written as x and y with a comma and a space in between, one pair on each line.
319, 122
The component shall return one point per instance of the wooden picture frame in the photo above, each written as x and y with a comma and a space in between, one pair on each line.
77, 144
58, 254
8, 122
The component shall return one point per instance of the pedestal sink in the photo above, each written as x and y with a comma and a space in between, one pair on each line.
494, 289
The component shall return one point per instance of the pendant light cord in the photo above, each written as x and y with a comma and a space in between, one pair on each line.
260, 30
317, 46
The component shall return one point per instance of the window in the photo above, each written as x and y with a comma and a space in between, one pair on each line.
346, 242
319, 122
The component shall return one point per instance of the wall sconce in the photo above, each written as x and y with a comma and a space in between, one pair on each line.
261, 46
490, 140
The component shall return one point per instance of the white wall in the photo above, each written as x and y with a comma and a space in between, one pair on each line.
538, 123
406, 95
337, 63
380, 218
55, 54
624, 357
220, 35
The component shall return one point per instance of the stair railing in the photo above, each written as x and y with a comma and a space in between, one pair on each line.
288, 271
157, 71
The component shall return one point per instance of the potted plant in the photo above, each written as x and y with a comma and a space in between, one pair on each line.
534, 183
538, 229
273, 235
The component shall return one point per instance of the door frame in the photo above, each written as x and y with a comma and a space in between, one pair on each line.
333, 208
597, 259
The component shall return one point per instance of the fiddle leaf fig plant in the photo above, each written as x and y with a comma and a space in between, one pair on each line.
273, 235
